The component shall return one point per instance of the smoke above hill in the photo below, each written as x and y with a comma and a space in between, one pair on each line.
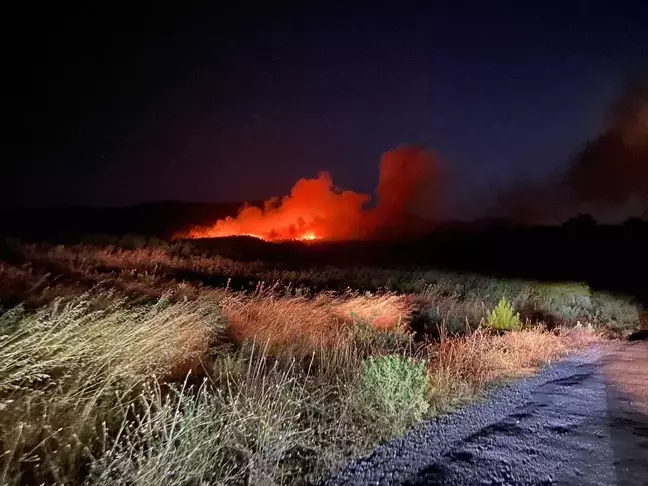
608, 177
408, 201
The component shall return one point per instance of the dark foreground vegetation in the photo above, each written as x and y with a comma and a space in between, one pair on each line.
166, 363
607, 257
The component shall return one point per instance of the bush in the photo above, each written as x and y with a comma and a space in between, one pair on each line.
132, 242
617, 314
561, 303
504, 318
394, 391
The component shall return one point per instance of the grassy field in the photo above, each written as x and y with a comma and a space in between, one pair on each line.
151, 366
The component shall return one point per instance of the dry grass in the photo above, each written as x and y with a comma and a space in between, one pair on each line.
239, 434
66, 366
100, 373
463, 367
157, 261
461, 301
22, 284
302, 326
154, 260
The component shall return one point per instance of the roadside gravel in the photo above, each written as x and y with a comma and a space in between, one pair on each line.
573, 423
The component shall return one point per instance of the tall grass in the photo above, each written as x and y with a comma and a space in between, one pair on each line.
299, 326
117, 372
65, 367
463, 367
244, 432
459, 301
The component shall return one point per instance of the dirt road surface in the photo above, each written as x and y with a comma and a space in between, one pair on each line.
583, 421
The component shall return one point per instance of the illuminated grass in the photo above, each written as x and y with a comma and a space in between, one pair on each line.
125, 375
464, 367
65, 368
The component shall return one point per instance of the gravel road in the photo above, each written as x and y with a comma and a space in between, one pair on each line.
583, 421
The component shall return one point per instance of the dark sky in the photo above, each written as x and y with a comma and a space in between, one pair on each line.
111, 106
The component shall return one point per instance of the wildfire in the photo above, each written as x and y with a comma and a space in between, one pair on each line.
316, 210
310, 236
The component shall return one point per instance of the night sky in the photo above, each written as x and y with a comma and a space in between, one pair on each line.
112, 107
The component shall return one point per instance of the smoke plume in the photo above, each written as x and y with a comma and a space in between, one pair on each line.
407, 202
409, 191
608, 178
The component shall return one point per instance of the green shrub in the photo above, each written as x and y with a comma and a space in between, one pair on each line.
615, 313
569, 303
394, 391
562, 302
504, 318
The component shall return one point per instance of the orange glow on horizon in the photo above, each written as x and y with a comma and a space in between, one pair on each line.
310, 236
316, 210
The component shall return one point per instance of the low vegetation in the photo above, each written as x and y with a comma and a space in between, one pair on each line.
393, 391
504, 318
149, 367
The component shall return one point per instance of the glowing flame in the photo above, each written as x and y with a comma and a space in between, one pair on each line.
310, 236
313, 210
316, 210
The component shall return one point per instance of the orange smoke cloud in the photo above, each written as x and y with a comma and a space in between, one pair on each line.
316, 210
408, 190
